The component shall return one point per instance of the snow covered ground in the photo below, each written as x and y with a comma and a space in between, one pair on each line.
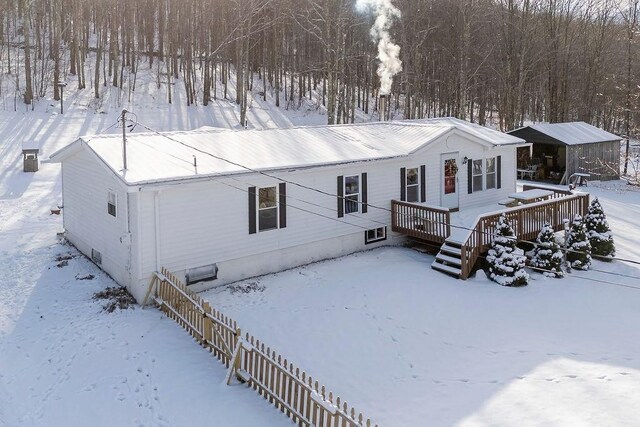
64, 362
404, 344
411, 346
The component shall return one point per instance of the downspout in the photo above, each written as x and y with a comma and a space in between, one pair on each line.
64, 217
129, 240
156, 201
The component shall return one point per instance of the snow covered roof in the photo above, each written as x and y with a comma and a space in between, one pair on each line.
572, 133
485, 133
156, 157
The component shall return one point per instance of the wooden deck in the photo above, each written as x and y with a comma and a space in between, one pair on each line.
458, 256
431, 223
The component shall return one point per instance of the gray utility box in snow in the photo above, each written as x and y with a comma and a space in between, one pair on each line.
30, 157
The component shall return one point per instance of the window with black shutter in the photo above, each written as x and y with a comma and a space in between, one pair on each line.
267, 208
352, 194
412, 184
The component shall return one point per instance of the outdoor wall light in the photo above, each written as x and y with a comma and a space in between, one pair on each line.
465, 160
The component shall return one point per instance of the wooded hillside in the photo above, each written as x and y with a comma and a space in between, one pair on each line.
504, 60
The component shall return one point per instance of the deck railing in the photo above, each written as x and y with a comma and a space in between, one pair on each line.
432, 223
527, 220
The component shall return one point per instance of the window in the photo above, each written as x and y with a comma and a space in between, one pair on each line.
267, 208
375, 235
413, 185
477, 175
351, 194
491, 172
111, 203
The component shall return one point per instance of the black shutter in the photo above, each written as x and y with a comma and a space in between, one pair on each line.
364, 192
469, 176
252, 210
423, 183
340, 196
283, 204
499, 172
403, 187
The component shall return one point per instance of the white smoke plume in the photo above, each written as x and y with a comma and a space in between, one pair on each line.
388, 52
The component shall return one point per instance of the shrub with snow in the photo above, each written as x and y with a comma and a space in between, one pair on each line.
547, 255
506, 260
598, 231
578, 246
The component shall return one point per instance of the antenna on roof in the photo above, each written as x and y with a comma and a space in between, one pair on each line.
195, 163
124, 140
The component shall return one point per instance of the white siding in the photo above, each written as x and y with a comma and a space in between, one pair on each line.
207, 222
471, 150
86, 221
201, 223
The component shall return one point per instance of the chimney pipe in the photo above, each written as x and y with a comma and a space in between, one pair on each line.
382, 108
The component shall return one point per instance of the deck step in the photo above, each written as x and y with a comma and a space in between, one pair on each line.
450, 260
453, 243
447, 269
451, 250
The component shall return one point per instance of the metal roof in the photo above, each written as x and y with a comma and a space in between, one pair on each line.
157, 157
572, 133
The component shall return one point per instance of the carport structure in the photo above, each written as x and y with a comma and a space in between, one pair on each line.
561, 149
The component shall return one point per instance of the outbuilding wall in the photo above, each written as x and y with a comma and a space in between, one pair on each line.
601, 160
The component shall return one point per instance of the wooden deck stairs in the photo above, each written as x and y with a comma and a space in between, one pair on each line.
457, 257
449, 259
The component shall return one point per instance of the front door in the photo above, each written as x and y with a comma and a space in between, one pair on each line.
449, 173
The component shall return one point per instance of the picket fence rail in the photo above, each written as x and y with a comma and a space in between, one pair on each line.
291, 390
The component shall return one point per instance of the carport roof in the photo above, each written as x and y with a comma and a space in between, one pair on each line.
572, 133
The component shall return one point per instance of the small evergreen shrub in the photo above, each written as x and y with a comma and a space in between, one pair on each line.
547, 255
506, 260
598, 231
579, 248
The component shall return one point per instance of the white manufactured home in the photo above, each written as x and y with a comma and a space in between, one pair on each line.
230, 204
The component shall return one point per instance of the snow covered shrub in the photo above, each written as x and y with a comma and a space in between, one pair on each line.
598, 231
579, 248
506, 260
547, 255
